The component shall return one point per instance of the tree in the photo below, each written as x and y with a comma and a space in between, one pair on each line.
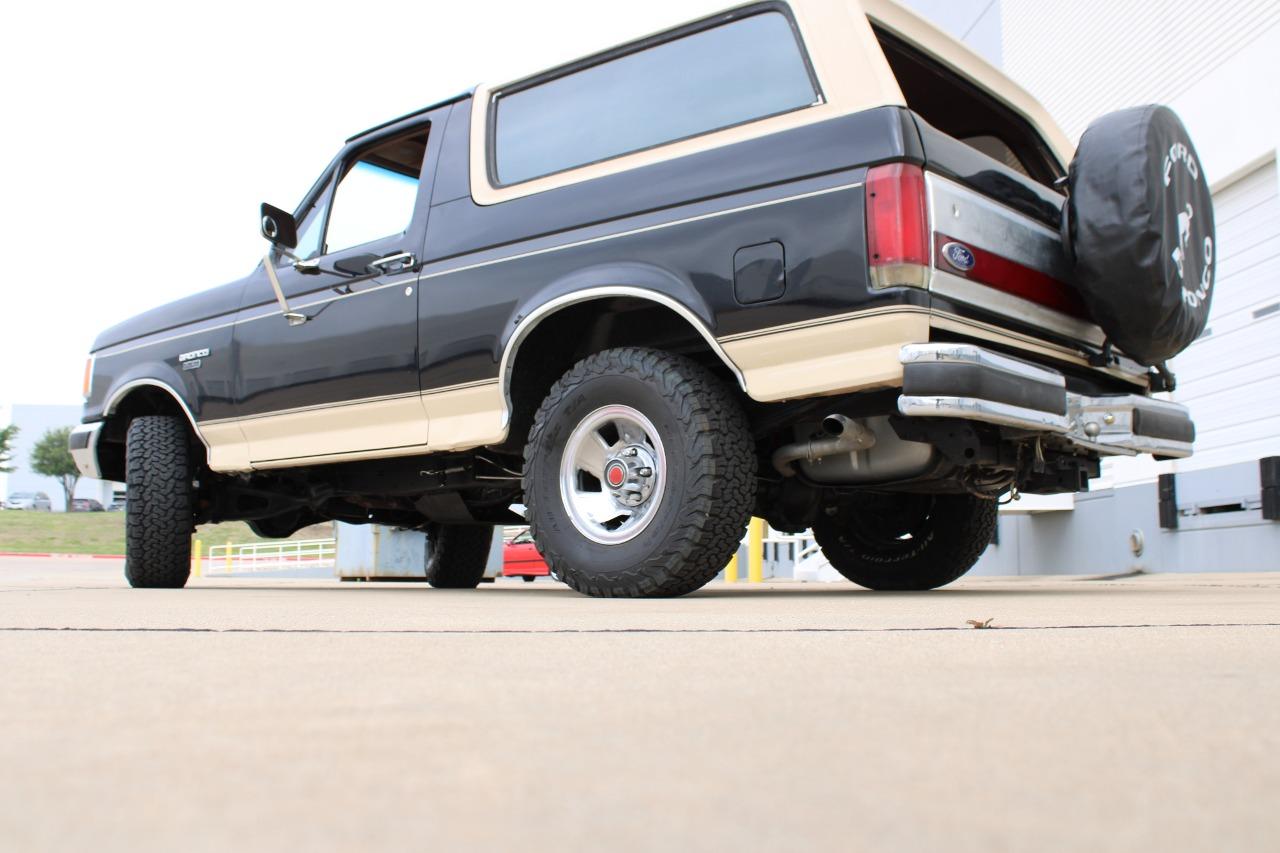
52, 458
7, 435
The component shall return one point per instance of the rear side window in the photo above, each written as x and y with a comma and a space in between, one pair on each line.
707, 80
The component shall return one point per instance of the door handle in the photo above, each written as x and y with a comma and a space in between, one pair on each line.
399, 262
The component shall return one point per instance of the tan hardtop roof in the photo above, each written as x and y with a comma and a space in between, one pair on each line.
851, 69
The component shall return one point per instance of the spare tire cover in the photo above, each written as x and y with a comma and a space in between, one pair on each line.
1139, 222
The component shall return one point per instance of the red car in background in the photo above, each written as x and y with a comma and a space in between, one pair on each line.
520, 559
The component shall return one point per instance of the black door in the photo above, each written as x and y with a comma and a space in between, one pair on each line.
335, 376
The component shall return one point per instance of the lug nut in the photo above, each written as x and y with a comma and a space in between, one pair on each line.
645, 472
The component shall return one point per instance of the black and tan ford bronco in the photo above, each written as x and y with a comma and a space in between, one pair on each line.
808, 260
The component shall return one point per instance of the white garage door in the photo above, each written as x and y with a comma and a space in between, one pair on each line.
1230, 377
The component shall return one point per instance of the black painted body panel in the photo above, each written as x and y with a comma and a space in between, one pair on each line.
215, 303
361, 339
207, 391
957, 160
720, 200
849, 142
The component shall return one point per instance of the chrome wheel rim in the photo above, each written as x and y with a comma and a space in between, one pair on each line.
613, 474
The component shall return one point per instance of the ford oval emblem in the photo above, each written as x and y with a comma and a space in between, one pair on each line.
959, 256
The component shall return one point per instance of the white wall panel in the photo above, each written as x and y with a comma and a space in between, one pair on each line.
1082, 58
1230, 378
1218, 65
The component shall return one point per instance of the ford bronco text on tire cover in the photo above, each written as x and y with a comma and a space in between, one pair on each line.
808, 260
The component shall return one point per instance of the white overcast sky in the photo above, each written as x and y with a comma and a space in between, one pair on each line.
139, 139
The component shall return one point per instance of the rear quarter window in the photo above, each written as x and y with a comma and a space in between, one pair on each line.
709, 79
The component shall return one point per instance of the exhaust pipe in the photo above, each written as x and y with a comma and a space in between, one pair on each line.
844, 435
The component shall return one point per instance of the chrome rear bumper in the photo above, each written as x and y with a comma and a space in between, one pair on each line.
947, 380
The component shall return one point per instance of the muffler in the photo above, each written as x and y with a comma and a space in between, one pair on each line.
844, 435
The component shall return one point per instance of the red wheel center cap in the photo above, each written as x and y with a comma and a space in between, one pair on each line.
615, 474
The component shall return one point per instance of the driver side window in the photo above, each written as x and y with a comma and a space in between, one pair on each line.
376, 195
374, 199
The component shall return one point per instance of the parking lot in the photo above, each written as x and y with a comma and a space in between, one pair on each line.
308, 714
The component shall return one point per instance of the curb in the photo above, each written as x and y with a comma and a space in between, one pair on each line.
28, 555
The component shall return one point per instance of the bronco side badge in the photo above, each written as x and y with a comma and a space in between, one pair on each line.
192, 360
959, 256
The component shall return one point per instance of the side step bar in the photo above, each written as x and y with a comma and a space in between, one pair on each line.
947, 380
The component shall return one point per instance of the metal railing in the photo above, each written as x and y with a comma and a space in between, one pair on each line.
773, 554
264, 556
784, 551
770, 554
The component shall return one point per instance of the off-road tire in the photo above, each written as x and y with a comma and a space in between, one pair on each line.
947, 535
710, 470
457, 554
159, 520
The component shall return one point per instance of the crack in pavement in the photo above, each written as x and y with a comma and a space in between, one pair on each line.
466, 631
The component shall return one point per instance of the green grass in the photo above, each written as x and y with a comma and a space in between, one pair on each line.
103, 532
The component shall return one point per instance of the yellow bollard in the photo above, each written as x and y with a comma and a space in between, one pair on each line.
731, 570
755, 551
228, 556
197, 547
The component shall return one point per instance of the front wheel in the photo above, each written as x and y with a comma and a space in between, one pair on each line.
161, 519
905, 541
640, 475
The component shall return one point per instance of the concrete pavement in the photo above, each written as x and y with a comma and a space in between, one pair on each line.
301, 714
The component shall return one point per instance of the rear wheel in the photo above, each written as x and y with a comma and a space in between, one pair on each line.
457, 554
905, 541
160, 519
640, 475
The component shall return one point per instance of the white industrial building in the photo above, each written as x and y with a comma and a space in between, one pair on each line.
33, 421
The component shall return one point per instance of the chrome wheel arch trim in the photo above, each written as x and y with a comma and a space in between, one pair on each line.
118, 395
528, 323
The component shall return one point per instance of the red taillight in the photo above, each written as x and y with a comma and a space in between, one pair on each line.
897, 225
